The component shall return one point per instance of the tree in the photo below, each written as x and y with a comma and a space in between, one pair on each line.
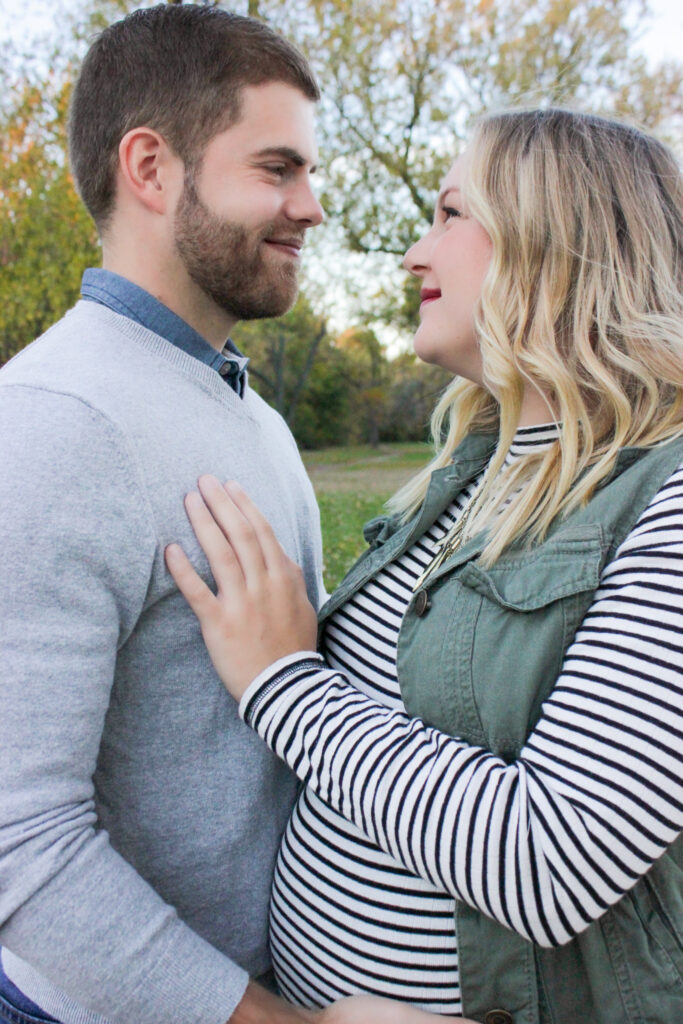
295, 366
46, 236
402, 82
282, 353
367, 380
412, 392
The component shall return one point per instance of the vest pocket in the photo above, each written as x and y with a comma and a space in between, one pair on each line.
525, 611
568, 563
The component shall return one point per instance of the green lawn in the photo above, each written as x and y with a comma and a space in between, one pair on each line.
351, 485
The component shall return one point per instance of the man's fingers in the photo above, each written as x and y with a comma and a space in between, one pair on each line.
362, 1009
193, 588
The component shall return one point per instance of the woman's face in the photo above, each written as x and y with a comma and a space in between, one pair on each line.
451, 260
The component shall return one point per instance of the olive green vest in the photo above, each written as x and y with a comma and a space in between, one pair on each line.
476, 660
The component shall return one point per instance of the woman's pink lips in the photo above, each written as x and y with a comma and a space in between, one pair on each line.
429, 295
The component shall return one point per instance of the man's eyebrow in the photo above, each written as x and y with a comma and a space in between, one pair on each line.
284, 153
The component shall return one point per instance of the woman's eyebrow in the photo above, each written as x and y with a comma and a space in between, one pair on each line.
446, 191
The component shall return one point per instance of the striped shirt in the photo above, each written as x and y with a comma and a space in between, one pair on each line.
375, 853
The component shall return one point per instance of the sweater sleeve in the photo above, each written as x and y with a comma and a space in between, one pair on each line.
544, 845
77, 554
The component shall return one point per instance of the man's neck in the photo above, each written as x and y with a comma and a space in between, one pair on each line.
170, 284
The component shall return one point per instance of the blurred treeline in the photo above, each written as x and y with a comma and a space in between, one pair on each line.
402, 81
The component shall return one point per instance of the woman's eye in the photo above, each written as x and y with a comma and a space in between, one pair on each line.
450, 211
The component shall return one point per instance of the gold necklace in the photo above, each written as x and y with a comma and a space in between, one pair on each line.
450, 542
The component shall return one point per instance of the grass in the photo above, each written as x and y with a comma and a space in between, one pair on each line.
352, 485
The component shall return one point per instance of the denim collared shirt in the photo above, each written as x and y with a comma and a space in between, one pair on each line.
128, 299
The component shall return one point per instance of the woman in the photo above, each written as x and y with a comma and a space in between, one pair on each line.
491, 734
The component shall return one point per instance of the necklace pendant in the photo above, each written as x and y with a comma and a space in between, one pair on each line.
448, 546
438, 559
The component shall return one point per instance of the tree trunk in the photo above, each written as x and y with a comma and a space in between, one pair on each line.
304, 375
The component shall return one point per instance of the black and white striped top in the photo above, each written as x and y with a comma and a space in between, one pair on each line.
363, 901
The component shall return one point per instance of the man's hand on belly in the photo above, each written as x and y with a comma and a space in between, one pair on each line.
258, 1006
377, 1010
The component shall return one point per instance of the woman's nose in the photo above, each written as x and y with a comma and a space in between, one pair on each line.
415, 260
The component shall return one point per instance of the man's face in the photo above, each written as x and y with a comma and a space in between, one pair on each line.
241, 219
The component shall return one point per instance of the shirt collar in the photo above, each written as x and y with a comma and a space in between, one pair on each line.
532, 440
128, 299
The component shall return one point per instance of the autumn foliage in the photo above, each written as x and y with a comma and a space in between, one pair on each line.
46, 236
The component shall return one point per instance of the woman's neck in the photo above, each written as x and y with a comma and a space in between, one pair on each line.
537, 408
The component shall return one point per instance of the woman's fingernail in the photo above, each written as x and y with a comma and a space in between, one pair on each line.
208, 480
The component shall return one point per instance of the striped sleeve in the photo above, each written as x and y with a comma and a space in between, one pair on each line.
544, 845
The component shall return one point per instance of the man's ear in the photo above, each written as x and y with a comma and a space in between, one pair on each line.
149, 171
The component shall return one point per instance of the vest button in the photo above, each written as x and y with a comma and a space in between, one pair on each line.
422, 603
498, 1017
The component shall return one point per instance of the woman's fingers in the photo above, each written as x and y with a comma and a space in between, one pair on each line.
237, 527
221, 557
261, 611
250, 534
271, 548
235, 536
200, 598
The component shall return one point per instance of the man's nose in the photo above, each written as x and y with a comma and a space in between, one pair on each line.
304, 206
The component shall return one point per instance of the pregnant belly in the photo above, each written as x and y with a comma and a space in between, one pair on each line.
347, 918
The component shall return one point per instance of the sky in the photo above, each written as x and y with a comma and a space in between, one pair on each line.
664, 39
665, 36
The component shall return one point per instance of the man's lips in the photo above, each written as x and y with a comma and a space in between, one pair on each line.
429, 295
291, 246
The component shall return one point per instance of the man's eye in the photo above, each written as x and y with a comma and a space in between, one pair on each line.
279, 170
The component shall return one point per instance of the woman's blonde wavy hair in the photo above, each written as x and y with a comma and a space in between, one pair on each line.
583, 299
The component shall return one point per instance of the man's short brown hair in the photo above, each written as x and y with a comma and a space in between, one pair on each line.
178, 69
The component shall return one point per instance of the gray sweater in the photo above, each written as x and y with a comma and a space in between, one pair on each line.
139, 817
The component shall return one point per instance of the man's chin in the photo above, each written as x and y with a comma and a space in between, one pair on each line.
268, 313
263, 307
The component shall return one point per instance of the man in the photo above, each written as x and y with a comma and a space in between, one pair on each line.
139, 820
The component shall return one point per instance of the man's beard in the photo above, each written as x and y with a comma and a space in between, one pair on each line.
225, 260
